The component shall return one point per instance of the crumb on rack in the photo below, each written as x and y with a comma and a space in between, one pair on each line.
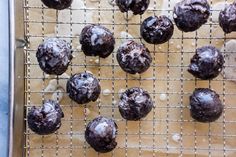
106, 92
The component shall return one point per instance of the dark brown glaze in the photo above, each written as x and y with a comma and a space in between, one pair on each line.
97, 40
54, 56
136, 6
227, 18
207, 63
190, 15
135, 103
133, 57
57, 4
46, 119
205, 105
101, 134
157, 30
83, 88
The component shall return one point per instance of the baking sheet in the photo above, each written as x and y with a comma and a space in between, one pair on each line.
168, 130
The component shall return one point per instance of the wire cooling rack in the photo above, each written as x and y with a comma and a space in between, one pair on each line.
168, 130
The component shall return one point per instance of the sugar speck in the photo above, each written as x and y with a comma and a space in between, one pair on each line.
97, 61
178, 47
163, 97
91, 60
106, 92
176, 137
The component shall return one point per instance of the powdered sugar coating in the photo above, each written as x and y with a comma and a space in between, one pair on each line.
97, 40
135, 103
46, 119
133, 57
83, 88
101, 134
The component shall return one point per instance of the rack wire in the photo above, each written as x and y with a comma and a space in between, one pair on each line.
153, 136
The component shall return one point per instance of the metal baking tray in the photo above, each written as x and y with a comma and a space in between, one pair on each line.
167, 131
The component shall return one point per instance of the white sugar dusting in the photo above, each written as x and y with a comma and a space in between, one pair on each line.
101, 128
58, 95
91, 60
90, 79
75, 54
63, 80
151, 22
52, 86
47, 76
150, 10
166, 5
94, 60
217, 7
140, 98
113, 133
62, 84
175, 16
230, 59
134, 54
178, 47
78, 47
93, 39
106, 92
48, 107
163, 97
96, 37
176, 137
125, 36
97, 61
142, 59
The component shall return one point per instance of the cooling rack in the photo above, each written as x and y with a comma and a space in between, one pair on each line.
168, 130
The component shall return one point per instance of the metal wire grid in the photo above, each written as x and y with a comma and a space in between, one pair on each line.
65, 142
